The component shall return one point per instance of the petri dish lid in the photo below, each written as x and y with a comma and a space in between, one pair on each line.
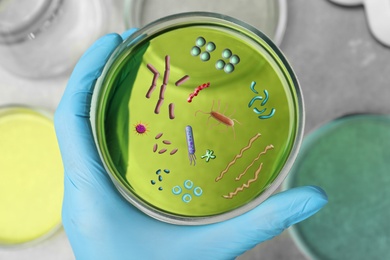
20, 18
15, 15
31, 179
349, 159
268, 16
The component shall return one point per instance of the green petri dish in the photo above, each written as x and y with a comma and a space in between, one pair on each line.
189, 142
31, 177
349, 159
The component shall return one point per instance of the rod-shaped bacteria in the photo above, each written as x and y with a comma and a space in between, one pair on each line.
190, 145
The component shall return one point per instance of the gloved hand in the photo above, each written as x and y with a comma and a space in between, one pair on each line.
100, 224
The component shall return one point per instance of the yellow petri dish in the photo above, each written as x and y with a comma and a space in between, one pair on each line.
31, 178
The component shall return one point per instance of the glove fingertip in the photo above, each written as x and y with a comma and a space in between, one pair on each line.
318, 191
313, 200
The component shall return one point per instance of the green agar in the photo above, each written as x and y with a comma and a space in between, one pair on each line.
220, 116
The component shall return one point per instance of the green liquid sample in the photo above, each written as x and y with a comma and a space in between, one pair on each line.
349, 159
241, 120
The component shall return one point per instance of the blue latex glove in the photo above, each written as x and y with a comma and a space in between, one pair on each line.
100, 224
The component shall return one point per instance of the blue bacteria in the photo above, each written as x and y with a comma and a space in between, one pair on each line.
263, 103
254, 99
195, 51
203, 49
188, 185
229, 68
257, 111
210, 47
220, 64
271, 114
159, 178
186, 198
265, 98
205, 56
176, 190
200, 41
231, 61
198, 191
253, 84
226, 53
234, 59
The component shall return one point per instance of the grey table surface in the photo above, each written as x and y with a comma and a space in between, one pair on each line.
342, 69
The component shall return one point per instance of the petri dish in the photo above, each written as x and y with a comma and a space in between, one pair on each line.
197, 118
349, 159
269, 16
19, 18
29, 33
31, 179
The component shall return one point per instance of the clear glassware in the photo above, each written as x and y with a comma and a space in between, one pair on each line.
197, 117
268, 16
31, 177
45, 38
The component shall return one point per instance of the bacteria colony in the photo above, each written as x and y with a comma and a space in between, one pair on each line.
199, 121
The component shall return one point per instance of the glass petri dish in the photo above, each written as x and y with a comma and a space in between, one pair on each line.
197, 118
269, 16
29, 33
20, 18
349, 159
31, 179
